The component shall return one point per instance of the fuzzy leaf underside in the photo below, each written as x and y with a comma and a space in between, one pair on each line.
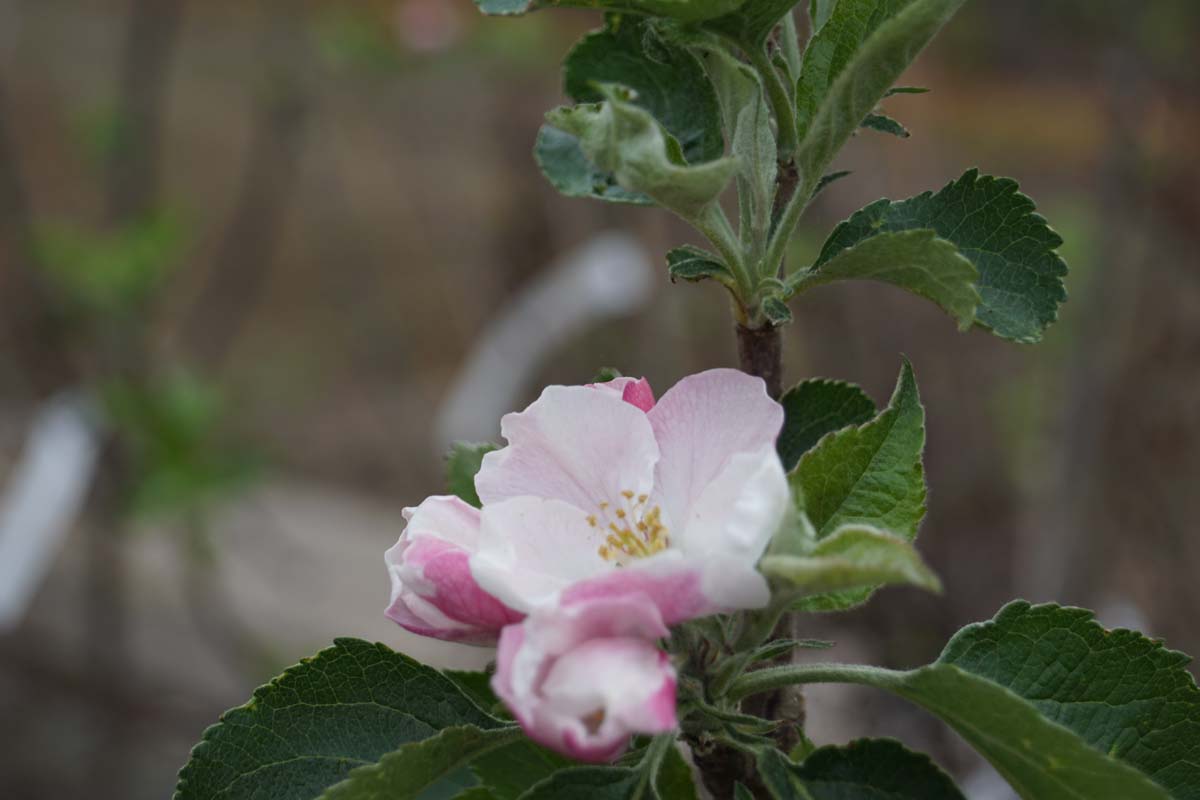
852, 62
345, 707
668, 82
690, 263
622, 138
915, 260
995, 227
852, 557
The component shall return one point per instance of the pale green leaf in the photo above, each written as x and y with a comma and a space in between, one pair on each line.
406, 772
462, 462
560, 158
776, 311
814, 408
621, 138
916, 260
819, 11
851, 63
683, 10
670, 84
866, 769
870, 474
994, 226
690, 263
753, 21
852, 557
307, 729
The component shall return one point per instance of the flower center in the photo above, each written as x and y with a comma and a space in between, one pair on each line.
633, 532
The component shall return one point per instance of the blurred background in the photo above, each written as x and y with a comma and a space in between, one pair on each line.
260, 261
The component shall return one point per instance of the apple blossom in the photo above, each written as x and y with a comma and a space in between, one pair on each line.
583, 677
595, 496
433, 593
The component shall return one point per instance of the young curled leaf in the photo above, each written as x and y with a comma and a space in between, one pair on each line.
690, 263
626, 140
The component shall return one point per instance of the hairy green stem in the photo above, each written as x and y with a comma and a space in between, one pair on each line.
788, 220
765, 680
789, 42
716, 228
652, 760
780, 99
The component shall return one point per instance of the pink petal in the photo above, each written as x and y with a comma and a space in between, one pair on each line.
583, 678
635, 391
433, 593
575, 444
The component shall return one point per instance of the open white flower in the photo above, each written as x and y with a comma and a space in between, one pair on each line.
595, 496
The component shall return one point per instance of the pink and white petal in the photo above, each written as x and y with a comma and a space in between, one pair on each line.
447, 517
680, 587
416, 615
531, 549
574, 444
700, 424
674, 585
457, 594
582, 679
735, 515
635, 391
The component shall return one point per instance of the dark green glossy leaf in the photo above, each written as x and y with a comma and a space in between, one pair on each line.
994, 226
345, 707
867, 769
814, 408
462, 462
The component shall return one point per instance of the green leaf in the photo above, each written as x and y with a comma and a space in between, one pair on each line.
830, 178
740, 792
776, 311
670, 84
997, 229
307, 729
476, 793
746, 120
751, 24
1063, 708
852, 557
594, 783
690, 263
624, 139
905, 90
511, 771
683, 10
819, 11
406, 772
475, 685
814, 408
462, 463
916, 260
851, 62
560, 158
674, 780
866, 769
1122, 693
885, 124
668, 79
871, 474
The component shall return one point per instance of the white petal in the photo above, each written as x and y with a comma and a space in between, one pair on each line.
700, 424
530, 549
575, 444
738, 512
445, 517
